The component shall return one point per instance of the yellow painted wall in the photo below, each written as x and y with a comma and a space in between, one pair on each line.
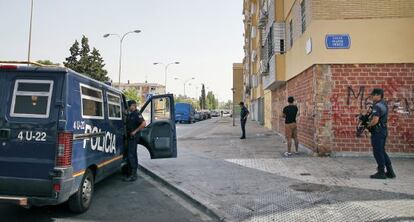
238, 82
372, 41
287, 5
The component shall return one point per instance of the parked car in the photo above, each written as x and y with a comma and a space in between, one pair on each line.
62, 132
198, 116
215, 113
184, 113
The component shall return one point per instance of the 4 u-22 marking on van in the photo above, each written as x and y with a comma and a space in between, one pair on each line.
32, 136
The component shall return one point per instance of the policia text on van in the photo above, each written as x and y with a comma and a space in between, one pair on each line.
61, 132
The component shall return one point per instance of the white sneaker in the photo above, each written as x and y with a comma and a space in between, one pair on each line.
287, 154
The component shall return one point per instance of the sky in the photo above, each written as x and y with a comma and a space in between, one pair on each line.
205, 36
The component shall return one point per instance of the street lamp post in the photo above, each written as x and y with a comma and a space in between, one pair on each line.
121, 39
185, 82
30, 33
165, 71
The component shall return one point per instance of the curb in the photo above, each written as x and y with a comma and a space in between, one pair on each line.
183, 194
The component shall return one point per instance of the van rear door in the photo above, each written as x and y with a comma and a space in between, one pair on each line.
30, 101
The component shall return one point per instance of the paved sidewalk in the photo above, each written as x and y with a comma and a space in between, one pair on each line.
249, 180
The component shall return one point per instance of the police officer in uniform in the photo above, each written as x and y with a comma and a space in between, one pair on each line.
243, 119
135, 122
379, 133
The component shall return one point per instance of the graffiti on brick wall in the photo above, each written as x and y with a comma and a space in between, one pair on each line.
347, 106
401, 100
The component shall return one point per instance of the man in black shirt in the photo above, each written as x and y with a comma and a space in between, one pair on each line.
289, 113
243, 119
379, 133
135, 122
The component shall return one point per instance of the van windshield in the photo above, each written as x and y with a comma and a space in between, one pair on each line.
31, 98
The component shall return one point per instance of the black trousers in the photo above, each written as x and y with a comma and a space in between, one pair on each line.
243, 127
378, 141
132, 153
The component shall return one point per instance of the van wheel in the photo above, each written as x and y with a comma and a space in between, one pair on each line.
81, 200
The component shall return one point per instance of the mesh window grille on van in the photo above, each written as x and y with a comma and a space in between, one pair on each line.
31, 98
114, 106
92, 102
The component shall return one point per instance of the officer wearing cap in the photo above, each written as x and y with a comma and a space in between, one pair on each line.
135, 122
243, 119
379, 133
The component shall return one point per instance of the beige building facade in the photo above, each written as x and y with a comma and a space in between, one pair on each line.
143, 89
329, 55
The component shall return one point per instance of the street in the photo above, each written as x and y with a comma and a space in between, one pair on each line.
115, 200
250, 180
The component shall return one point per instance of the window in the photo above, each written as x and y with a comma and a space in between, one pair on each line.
158, 109
291, 33
270, 49
162, 109
31, 98
303, 15
114, 106
91, 102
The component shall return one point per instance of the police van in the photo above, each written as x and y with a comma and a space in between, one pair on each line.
61, 132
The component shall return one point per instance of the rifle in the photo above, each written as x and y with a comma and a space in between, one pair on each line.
363, 122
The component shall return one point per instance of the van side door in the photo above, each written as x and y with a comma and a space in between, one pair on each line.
159, 136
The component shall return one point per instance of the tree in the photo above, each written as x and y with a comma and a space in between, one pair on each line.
47, 62
132, 94
202, 99
212, 103
183, 99
227, 105
84, 61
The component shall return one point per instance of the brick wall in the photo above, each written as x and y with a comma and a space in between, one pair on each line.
352, 85
357, 9
331, 96
302, 88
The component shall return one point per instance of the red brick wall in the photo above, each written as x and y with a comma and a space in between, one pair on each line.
352, 85
301, 88
331, 96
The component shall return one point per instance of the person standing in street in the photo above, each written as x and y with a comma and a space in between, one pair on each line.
243, 119
289, 113
379, 133
135, 123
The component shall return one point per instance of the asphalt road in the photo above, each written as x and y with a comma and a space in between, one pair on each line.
185, 130
115, 200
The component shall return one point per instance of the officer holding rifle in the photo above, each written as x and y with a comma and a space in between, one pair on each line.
379, 132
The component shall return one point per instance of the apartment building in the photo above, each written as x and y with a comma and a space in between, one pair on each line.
143, 89
329, 55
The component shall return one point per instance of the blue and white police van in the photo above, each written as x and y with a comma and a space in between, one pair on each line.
61, 132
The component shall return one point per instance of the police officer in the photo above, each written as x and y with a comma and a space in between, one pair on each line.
379, 133
243, 119
135, 122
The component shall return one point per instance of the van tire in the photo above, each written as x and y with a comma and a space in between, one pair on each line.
82, 199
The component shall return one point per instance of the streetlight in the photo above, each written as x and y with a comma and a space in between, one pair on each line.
185, 82
121, 39
30, 33
165, 70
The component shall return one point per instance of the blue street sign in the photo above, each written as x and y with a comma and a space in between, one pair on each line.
342, 41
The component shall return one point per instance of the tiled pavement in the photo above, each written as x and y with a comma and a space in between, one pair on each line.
249, 180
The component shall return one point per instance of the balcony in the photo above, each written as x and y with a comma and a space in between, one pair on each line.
276, 76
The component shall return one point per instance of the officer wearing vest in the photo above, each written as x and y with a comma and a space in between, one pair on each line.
243, 119
379, 133
135, 122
